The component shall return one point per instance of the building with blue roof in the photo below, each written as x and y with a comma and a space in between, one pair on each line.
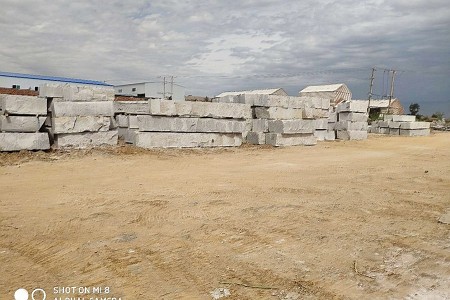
32, 82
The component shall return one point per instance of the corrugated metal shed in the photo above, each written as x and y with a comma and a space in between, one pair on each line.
277, 91
52, 78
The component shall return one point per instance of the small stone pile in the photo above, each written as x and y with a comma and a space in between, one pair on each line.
352, 120
404, 125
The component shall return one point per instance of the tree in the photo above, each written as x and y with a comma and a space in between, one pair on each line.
414, 108
438, 115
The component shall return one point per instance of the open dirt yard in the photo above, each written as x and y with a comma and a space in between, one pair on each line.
340, 220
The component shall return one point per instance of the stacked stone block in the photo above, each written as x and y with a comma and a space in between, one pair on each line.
22, 119
352, 120
404, 125
80, 117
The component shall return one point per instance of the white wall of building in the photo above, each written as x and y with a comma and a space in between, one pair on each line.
152, 90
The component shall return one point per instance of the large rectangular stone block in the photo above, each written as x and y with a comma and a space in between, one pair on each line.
279, 139
133, 122
24, 141
132, 107
415, 125
80, 124
278, 101
331, 126
332, 118
186, 140
86, 139
348, 125
353, 106
74, 109
175, 124
394, 131
291, 126
354, 117
127, 134
260, 125
321, 134
403, 118
200, 109
21, 123
51, 91
279, 113
321, 113
351, 135
415, 132
227, 99
383, 130
87, 93
331, 135
22, 105
256, 138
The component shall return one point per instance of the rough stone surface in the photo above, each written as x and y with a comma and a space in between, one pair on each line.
133, 122
331, 126
279, 113
24, 141
73, 109
354, 117
278, 139
86, 140
122, 121
87, 93
51, 91
186, 140
23, 105
175, 124
331, 135
321, 134
384, 130
332, 118
415, 125
21, 123
353, 106
415, 132
200, 109
80, 124
279, 101
348, 125
132, 107
256, 138
351, 135
128, 135
321, 124
291, 126
394, 131
403, 118
260, 125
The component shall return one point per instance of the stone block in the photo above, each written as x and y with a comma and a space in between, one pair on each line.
74, 109
133, 122
256, 138
278, 101
186, 140
353, 117
87, 93
332, 117
21, 123
403, 118
227, 99
260, 125
331, 126
351, 135
128, 135
79, 124
347, 125
279, 139
353, 106
174, 124
394, 131
321, 124
279, 113
308, 113
393, 125
23, 105
122, 121
415, 132
86, 140
51, 91
321, 113
415, 125
331, 135
321, 134
131, 107
383, 130
291, 126
24, 141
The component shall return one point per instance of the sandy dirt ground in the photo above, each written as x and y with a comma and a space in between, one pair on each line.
340, 220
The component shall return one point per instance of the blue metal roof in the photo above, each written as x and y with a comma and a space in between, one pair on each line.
51, 78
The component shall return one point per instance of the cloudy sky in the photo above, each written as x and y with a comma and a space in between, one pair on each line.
215, 46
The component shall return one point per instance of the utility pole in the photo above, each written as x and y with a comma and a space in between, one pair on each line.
391, 94
372, 78
164, 88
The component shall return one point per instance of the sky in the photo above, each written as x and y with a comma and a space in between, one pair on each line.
215, 46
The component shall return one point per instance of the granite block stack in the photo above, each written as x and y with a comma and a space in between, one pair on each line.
22, 119
161, 123
404, 125
80, 117
352, 120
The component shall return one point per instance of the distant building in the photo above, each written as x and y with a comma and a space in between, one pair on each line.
336, 92
381, 107
32, 82
155, 90
277, 91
